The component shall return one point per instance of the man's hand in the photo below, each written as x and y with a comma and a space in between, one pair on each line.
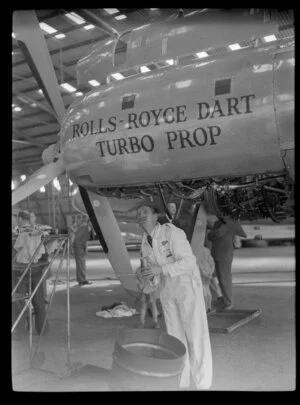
150, 272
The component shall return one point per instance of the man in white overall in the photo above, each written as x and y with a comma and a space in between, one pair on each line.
181, 293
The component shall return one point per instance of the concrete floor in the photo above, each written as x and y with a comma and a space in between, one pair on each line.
259, 356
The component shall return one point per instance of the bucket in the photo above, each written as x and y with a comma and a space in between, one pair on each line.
145, 360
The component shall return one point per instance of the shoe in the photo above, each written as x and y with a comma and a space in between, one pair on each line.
219, 305
150, 313
85, 282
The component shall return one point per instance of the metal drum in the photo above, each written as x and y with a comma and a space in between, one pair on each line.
146, 359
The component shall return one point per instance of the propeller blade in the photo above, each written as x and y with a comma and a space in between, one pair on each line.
34, 47
38, 179
109, 234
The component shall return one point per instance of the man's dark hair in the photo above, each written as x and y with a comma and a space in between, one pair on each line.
24, 215
154, 208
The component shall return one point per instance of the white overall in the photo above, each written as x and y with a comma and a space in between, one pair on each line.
181, 295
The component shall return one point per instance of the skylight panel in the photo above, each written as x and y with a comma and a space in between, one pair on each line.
94, 83
60, 36
120, 17
89, 27
144, 69
47, 28
202, 54
75, 18
235, 47
270, 38
117, 76
68, 87
111, 10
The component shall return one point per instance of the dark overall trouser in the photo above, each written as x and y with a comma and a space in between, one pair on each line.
38, 301
79, 255
223, 272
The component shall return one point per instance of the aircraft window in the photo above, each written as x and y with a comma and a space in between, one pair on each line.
120, 54
128, 102
222, 86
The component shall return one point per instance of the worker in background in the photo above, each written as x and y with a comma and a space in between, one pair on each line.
172, 208
72, 231
221, 236
50, 246
214, 283
181, 293
82, 235
26, 245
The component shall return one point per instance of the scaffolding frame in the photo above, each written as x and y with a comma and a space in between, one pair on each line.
64, 242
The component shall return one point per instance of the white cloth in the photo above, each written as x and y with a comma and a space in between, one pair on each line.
181, 295
117, 312
26, 244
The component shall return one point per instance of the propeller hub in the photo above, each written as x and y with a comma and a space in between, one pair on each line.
51, 154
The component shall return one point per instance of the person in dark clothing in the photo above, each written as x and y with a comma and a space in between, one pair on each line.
82, 235
221, 237
24, 248
173, 220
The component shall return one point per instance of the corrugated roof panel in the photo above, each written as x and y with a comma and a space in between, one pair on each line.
286, 17
286, 33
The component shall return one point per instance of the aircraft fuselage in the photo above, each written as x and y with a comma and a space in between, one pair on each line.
229, 115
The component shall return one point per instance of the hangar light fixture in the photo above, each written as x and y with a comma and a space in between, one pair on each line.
89, 27
17, 109
13, 105
185, 83
33, 105
42, 189
75, 18
13, 185
75, 191
117, 76
70, 182
111, 10
170, 62
13, 35
47, 28
270, 38
144, 69
202, 54
68, 87
23, 177
120, 17
56, 184
78, 93
40, 91
153, 9
94, 83
234, 47
60, 36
